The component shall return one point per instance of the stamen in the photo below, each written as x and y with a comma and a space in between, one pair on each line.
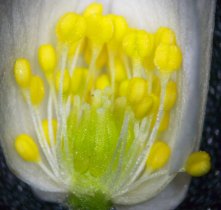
198, 164
159, 155
27, 148
110, 96
47, 58
22, 72
37, 90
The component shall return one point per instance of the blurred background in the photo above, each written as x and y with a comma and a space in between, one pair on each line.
204, 193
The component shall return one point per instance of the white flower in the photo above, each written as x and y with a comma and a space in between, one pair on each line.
117, 129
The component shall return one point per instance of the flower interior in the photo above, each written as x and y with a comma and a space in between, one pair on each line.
102, 104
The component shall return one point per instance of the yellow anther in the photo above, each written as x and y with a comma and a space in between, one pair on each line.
66, 81
170, 95
138, 44
123, 88
101, 60
22, 72
47, 58
165, 121
37, 90
102, 82
72, 48
71, 28
120, 27
198, 164
156, 86
159, 155
120, 104
156, 103
165, 35
143, 108
46, 130
137, 89
27, 149
99, 29
120, 71
78, 80
93, 9
148, 63
168, 58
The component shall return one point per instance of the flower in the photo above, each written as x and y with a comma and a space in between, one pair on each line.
103, 107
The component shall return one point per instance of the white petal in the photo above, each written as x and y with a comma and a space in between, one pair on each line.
21, 32
166, 200
185, 18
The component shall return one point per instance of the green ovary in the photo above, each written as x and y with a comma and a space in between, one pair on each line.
93, 142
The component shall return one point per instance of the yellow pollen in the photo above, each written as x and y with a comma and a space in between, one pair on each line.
123, 88
137, 89
99, 29
78, 80
71, 28
101, 60
165, 35
143, 108
102, 82
66, 81
93, 9
156, 86
164, 124
168, 58
45, 128
120, 27
159, 155
37, 90
22, 72
156, 103
198, 164
47, 58
170, 95
26, 148
138, 44
120, 71
148, 63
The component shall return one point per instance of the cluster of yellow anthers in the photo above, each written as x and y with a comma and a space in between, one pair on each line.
101, 63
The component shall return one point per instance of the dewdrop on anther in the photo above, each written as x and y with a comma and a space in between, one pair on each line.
27, 148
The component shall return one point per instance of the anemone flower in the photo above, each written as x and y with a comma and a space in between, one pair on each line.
102, 103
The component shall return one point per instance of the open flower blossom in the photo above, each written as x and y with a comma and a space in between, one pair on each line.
102, 103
